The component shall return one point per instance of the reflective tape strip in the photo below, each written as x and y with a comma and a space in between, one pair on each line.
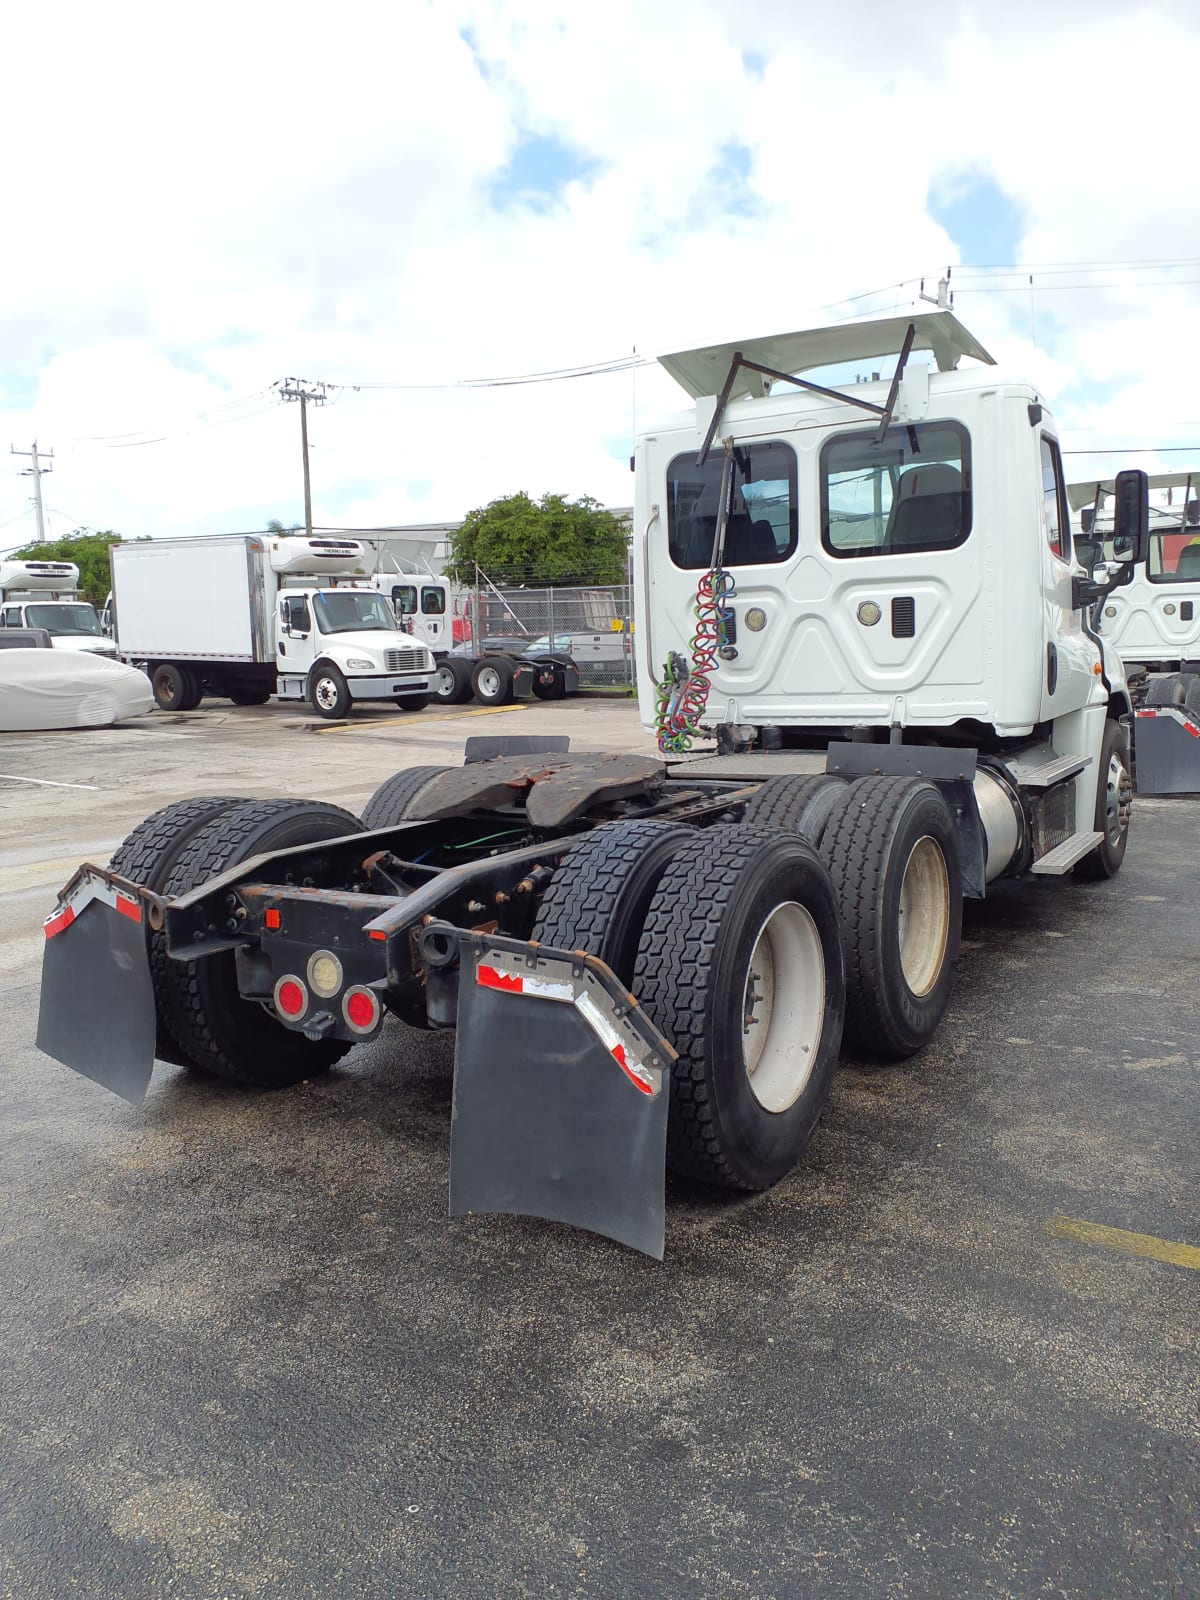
493, 977
58, 920
82, 896
612, 1042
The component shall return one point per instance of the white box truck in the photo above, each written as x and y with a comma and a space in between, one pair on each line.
250, 616
44, 594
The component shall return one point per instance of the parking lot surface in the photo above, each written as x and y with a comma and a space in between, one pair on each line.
246, 1353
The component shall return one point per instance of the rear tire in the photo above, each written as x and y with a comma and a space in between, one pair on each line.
233, 1038
411, 702
451, 683
389, 804
175, 688
1169, 690
1114, 805
1191, 699
891, 851
600, 893
740, 965
249, 697
797, 803
148, 856
492, 681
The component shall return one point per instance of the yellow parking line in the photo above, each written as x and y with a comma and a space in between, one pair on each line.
408, 722
1130, 1244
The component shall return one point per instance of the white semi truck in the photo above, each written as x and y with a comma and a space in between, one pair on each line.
1154, 622
651, 958
44, 594
251, 616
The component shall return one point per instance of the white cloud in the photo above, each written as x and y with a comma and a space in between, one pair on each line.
212, 200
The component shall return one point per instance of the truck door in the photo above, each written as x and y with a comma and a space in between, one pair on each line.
294, 648
1157, 616
1069, 655
433, 616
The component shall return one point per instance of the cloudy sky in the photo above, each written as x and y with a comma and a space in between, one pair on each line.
203, 201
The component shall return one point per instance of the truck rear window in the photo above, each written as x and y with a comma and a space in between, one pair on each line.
1174, 557
762, 516
910, 492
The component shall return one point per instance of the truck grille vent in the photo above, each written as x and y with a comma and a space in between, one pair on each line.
404, 660
1053, 819
904, 617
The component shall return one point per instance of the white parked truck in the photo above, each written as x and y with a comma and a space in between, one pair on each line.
1154, 622
651, 958
250, 616
43, 594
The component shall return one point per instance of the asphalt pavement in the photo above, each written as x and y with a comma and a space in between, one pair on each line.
246, 1352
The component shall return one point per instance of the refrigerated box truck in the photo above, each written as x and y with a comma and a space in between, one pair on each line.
251, 616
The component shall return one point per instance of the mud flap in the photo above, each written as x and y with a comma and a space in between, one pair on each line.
1166, 748
560, 1093
97, 1001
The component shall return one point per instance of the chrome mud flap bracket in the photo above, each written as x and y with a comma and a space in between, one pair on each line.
97, 1002
561, 1090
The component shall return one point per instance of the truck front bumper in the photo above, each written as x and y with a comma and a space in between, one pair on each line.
387, 688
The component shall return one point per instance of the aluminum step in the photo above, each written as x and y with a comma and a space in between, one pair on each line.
1045, 774
1059, 861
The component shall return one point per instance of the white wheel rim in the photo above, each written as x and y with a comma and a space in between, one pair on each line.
924, 919
443, 685
783, 1006
489, 681
326, 694
1118, 797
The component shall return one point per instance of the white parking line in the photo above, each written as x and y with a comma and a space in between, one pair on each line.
49, 783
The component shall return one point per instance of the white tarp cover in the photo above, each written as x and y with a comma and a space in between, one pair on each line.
66, 689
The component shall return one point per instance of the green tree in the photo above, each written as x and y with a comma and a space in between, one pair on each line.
88, 549
539, 542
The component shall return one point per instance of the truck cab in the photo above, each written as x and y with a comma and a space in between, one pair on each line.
353, 631
1154, 621
421, 605
887, 562
42, 594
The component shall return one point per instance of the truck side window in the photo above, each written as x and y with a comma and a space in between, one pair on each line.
12, 617
404, 599
433, 602
1054, 498
296, 614
762, 526
908, 492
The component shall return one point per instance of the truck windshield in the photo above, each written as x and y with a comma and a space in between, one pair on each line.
63, 619
910, 491
353, 611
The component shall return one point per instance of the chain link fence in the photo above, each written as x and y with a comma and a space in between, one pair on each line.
592, 625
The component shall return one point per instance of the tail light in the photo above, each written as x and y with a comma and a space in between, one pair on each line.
291, 998
361, 1009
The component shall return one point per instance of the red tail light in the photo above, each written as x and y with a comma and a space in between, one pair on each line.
361, 1009
291, 998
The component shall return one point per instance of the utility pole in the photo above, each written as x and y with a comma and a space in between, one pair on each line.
35, 472
299, 389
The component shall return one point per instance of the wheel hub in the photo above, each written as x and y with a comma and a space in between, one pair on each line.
924, 916
783, 1006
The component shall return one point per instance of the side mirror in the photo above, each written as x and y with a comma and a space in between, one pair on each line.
1131, 516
